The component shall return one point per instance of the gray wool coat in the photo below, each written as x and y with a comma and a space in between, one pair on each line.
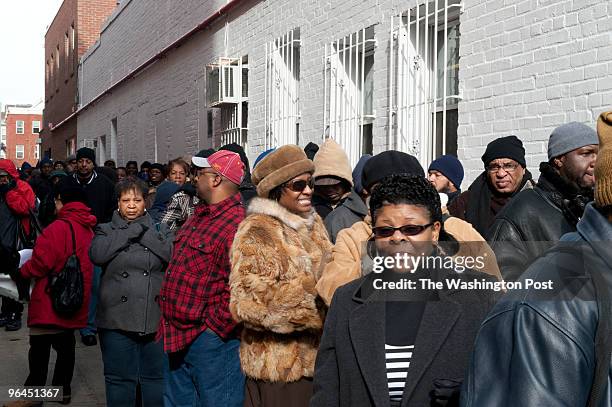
133, 257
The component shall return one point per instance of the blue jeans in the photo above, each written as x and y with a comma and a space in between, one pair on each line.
93, 303
205, 374
130, 359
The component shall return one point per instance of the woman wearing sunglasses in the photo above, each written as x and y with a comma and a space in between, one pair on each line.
275, 255
406, 346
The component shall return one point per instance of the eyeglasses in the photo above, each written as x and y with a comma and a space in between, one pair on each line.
507, 167
203, 172
406, 230
299, 185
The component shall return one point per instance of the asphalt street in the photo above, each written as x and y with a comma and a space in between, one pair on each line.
88, 381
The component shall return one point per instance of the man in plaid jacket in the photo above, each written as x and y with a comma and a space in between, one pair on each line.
196, 325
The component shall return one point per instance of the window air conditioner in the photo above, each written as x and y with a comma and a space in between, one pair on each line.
226, 82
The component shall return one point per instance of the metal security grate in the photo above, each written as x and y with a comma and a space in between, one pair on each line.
282, 80
348, 97
423, 79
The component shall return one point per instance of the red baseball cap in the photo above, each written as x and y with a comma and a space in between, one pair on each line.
223, 162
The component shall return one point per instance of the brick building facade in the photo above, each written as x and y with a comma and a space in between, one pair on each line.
423, 77
23, 124
74, 29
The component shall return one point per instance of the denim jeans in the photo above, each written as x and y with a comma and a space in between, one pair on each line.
129, 359
93, 303
205, 374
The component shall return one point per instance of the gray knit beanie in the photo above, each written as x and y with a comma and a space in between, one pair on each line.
569, 137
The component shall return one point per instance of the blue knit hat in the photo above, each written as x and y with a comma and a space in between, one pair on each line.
450, 167
262, 156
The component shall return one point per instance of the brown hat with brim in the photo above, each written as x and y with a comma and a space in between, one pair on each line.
278, 167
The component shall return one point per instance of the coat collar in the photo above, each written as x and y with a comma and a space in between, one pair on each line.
272, 208
119, 223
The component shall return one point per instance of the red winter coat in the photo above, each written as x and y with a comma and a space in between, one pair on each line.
52, 249
21, 198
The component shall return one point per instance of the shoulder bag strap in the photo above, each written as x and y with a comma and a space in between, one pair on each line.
72, 234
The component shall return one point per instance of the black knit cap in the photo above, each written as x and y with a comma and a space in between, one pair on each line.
85, 152
387, 163
157, 166
505, 147
311, 150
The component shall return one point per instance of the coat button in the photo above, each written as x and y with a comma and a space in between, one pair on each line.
163, 298
146, 249
124, 274
193, 228
146, 273
201, 245
123, 298
166, 323
167, 273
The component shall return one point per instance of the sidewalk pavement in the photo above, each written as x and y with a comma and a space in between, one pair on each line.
88, 381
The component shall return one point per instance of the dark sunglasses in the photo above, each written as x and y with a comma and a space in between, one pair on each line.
406, 230
299, 185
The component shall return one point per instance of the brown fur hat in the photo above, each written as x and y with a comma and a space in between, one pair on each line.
278, 167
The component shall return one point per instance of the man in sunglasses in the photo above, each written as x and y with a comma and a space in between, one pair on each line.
503, 177
520, 233
196, 326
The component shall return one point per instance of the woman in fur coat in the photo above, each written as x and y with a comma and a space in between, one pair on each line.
275, 257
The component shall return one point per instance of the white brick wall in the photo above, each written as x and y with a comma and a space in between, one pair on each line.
526, 67
555, 61
146, 106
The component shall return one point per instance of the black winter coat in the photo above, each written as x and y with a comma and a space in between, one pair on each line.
537, 348
101, 198
534, 221
350, 367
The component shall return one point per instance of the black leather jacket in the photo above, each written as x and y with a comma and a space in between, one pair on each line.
531, 223
536, 347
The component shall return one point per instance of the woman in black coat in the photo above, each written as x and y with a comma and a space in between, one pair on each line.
407, 346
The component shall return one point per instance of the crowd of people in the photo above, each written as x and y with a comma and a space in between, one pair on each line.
208, 282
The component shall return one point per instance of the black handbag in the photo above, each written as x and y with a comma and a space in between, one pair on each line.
66, 288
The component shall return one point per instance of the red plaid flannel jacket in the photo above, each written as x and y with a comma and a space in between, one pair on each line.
195, 292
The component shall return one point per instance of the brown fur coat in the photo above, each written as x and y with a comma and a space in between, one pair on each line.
275, 258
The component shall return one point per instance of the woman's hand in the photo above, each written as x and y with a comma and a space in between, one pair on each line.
135, 231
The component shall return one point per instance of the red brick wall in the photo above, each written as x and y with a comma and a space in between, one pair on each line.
27, 139
61, 88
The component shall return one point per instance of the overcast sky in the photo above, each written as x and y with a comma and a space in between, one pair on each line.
23, 24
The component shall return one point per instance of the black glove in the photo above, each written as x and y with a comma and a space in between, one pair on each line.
135, 231
446, 392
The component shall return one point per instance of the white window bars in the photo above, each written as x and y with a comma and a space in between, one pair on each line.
234, 124
423, 79
348, 84
282, 80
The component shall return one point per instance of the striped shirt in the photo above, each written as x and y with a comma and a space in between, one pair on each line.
397, 359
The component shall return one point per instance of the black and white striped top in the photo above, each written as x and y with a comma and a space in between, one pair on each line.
397, 359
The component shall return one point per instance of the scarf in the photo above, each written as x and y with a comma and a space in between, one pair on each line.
485, 202
566, 194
